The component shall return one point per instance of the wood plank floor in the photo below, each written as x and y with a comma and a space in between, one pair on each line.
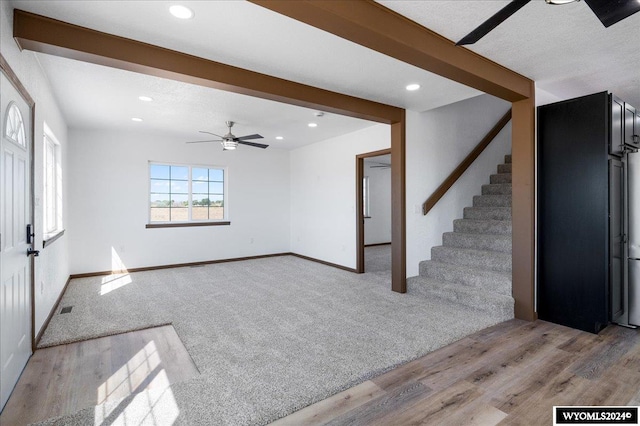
64, 379
510, 374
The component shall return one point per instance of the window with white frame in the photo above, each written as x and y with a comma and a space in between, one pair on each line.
186, 193
365, 197
52, 193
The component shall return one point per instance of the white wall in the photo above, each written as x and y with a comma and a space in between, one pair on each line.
543, 97
377, 228
52, 266
437, 141
323, 194
109, 193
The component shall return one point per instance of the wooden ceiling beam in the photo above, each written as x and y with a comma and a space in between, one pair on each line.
45, 35
372, 25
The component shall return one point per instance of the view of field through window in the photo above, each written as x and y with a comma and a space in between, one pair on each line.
186, 193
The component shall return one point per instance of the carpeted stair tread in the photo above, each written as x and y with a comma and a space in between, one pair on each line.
500, 306
497, 189
491, 242
484, 259
487, 213
473, 266
481, 226
504, 168
500, 178
500, 200
492, 281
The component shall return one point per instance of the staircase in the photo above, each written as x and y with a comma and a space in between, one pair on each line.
473, 265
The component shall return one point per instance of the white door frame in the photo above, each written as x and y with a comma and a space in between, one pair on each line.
15, 81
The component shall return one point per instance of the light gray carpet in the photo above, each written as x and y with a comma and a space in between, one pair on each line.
377, 258
269, 336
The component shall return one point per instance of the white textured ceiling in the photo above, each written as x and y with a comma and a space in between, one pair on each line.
241, 34
98, 97
564, 48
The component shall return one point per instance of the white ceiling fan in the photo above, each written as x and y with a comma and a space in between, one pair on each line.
230, 141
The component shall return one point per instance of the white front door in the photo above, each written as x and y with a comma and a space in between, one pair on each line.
15, 213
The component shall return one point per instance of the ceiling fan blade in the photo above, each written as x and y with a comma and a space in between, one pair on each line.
213, 140
202, 131
492, 22
246, 138
257, 145
609, 12
380, 167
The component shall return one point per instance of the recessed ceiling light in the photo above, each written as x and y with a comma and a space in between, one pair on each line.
181, 12
312, 125
412, 87
145, 98
136, 119
279, 138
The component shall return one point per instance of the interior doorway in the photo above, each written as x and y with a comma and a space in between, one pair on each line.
373, 209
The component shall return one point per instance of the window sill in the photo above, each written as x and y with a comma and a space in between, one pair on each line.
185, 224
50, 238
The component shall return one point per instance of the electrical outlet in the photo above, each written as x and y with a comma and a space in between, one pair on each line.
41, 287
251, 240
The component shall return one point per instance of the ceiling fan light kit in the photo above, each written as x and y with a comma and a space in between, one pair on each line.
229, 145
560, 2
230, 142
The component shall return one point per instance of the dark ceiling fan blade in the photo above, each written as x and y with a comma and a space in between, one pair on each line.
492, 22
213, 140
203, 131
248, 137
611, 11
257, 145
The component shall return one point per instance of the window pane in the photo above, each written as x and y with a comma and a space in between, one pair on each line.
216, 213
216, 175
200, 199
199, 174
159, 186
50, 198
216, 200
160, 214
179, 172
159, 200
200, 213
180, 214
179, 200
159, 172
216, 187
200, 187
179, 187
